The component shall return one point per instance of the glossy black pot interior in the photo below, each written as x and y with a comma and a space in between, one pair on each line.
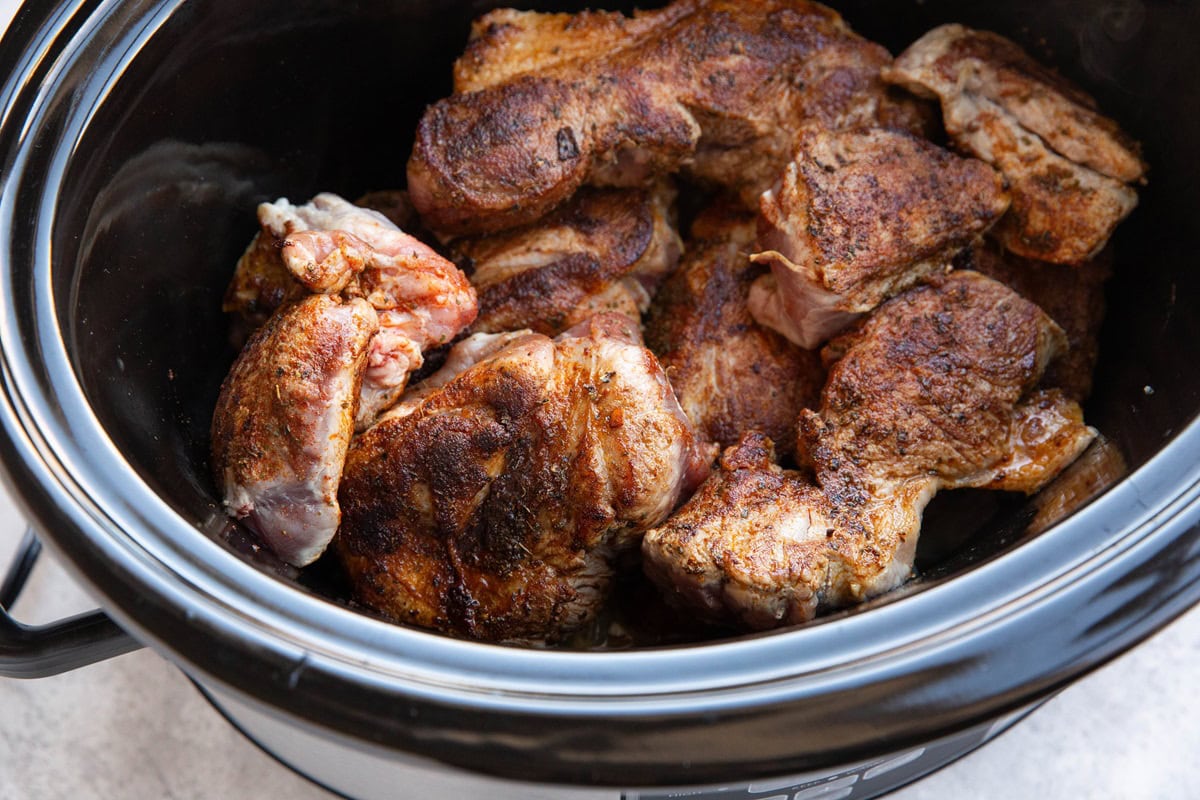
230, 103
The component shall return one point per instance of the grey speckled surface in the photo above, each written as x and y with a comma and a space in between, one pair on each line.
134, 727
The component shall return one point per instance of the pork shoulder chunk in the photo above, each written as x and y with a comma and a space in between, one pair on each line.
498, 506
1070, 169
859, 216
935, 390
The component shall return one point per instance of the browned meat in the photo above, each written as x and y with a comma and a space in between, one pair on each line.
750, 548
604, 250
1046, 435
506, 43
860, 216
730, 374
330, 246
547, 102
1073, 296
496, 507
1100, 466
1066, 164
931, 392
927, 387
284, 420
274, 269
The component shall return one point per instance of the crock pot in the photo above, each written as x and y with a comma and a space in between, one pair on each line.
137, 137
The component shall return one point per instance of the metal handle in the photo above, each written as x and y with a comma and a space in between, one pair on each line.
37, 651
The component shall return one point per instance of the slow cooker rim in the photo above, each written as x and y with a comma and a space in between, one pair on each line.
52, 456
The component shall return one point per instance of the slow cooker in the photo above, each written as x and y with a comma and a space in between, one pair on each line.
137, 137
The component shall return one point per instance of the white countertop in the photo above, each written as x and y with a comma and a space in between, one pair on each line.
134, 726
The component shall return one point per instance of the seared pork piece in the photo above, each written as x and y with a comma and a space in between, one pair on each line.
858, 217
931, 392
1102, 465
1047, 434
752, 547
1073, 296
731, 375
545, 103
264, 278
495, 509
284, 419
604, 250
331, 246
1067, 165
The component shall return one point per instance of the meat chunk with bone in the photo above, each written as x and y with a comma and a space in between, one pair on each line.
933, 391
284, 420
330, 246
858, 217
731, 375
496, 507
604, 250
545, 103
1068, 167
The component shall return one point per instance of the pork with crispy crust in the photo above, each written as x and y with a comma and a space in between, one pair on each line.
1071, 294
330, 246
284, 420
545, 103
933, 391
604, 250
859, 216
496, 508
1069, 167
731, 374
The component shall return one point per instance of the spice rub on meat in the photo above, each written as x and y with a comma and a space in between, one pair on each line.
859, 216
731, 374
1069, 168
497, 507
284, 419
933, 391
1071, 294
603, 250
545, 103
343, 303
330, 246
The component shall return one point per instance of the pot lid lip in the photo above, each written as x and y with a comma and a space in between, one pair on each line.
128, 543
